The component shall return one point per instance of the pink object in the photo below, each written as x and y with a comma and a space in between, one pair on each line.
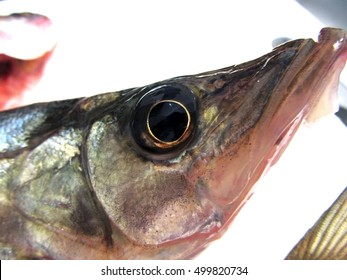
26, 44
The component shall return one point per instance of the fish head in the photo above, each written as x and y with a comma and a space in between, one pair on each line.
172, 163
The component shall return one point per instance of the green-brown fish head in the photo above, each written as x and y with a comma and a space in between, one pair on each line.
173, 162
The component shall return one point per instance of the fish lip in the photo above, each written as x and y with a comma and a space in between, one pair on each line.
333, 35
337, 38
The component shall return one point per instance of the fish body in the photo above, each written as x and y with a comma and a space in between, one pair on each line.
156, 172
327, 237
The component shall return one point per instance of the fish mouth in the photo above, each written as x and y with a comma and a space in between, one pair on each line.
312, 93
305, 91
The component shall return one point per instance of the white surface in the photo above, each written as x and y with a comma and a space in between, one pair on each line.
108, 45
113, 45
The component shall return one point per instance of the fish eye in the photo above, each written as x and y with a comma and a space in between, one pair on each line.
167, 121
164, 121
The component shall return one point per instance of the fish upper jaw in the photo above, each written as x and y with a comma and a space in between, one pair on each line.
305, 92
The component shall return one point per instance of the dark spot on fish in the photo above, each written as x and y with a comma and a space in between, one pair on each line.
83, 216
223, 77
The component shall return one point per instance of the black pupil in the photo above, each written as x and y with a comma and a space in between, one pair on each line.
168, 121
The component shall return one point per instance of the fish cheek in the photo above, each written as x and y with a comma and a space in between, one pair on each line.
161, 212
149, 204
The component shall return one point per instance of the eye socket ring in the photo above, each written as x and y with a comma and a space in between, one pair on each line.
164, 121
182, 132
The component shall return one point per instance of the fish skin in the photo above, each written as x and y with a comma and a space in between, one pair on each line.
75, 185
327, 238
